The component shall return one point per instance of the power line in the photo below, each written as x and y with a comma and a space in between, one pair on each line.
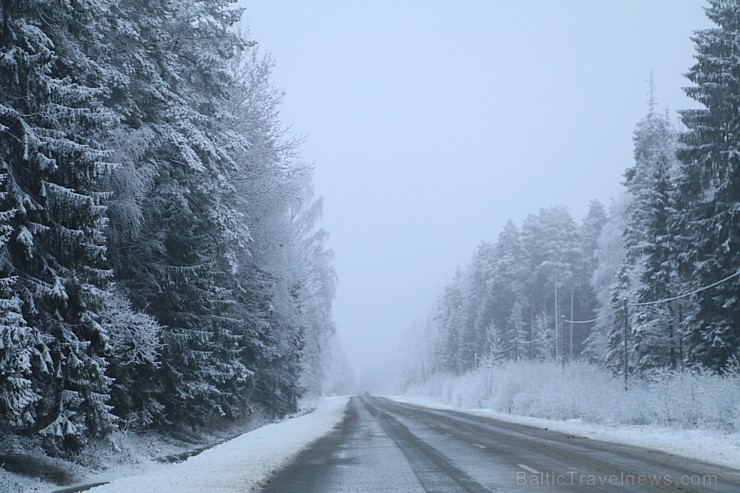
545, 336
594, 319
656, 302
689, 293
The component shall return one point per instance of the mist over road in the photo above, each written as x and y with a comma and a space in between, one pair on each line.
388, 446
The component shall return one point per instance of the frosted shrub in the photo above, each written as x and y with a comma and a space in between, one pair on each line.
694, 398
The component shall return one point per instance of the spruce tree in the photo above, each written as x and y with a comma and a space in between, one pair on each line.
56, 252
710, 189
449, 317
473, 333
507, 292
20, 356
609, 256
651, 249
585, 302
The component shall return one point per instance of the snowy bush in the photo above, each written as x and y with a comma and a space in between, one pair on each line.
692, 399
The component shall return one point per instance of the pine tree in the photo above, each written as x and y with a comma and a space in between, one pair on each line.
479, 277
19, 343
507, 292
590, 231
609, 256
287, 250
172, 225
651, 250
449, 317
56, 252
710, 189
134, 355
554, 257
585, 300
622, 351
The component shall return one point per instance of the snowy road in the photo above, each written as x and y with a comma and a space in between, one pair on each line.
386, 446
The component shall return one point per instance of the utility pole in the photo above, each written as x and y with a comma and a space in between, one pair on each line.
490, 375
625, 331
558, 348
562, 342
572, 296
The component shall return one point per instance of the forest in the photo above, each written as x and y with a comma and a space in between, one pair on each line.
162, 264
647, 285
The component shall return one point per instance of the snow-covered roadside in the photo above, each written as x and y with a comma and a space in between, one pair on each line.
703, 445
239, 464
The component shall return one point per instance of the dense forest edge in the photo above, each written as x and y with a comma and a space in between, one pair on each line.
642, 295
162, 263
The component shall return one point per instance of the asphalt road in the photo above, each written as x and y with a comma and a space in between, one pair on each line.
383, 446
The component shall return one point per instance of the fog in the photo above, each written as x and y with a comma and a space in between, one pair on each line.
430, 124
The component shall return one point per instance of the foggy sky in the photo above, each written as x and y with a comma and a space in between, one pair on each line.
431, 123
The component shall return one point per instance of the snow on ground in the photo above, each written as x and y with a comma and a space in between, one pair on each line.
703, 445
239, 464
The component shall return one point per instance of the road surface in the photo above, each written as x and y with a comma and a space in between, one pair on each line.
383, 446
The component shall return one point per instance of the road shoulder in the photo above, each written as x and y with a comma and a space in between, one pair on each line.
240, 464
711, 447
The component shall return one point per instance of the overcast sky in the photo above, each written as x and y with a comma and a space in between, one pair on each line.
431, 123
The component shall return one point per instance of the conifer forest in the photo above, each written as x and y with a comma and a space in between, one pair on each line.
162, 265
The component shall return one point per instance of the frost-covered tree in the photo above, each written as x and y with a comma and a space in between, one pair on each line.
56, 253
134, 351
590, 232
555, 258
544, 342
710, 189
476, 306
449, 318
508, 298
161, 259
584, 297
650, 267
286, 261
171, 227
609, 255
20, 353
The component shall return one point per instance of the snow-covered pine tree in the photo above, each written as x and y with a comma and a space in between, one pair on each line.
508, 300
609, 255
554, 257
49, 113
710, 189
590, 232
619, 333
585, 302
517, 332
317, 290
449, 317
473, 330
544, 343
651, 250
170, 240
134, 351
20, 354
285, 265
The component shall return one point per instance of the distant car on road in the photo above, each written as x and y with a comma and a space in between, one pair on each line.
367, 393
